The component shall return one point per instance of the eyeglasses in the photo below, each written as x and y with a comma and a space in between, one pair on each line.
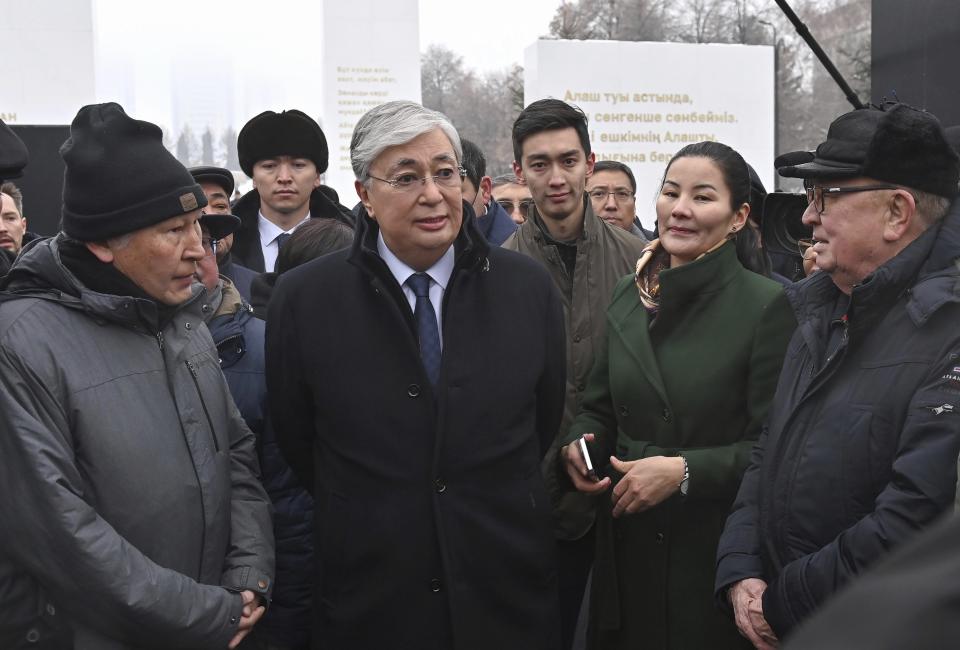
816, 195
407, 182
209, 246
620, 196
523, 205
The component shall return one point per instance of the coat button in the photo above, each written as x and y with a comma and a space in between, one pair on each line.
580, 387
413, 390
51, 610
205, 309
33, 635
660, 538
262, 583
435, 585
440, 486
624, 411
577, 339
233, 620
188, 325
666, 415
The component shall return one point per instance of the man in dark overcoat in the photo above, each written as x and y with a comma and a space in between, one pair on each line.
860, 450
416, 381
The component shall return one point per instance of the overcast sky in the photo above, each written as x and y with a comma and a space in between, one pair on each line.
489, 34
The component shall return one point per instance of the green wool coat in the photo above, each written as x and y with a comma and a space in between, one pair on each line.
697, 382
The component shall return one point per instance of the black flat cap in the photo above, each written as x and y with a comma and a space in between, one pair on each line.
290, 133
901, 145
13, 154
217, 175
220, 225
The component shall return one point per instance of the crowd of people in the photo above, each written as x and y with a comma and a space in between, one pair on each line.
479, 411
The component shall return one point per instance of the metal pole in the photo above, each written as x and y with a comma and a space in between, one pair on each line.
824, 59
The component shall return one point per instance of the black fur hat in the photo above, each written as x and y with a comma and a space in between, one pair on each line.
290, 133
13, 154
900, 145
953, 137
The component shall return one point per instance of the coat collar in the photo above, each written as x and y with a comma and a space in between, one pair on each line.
40, 273
535, 232
679, 287
926, 269
470, 247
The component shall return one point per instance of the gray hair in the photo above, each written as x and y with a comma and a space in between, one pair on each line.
931, 208
394, 123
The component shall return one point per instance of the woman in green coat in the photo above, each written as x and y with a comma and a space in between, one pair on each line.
675, 402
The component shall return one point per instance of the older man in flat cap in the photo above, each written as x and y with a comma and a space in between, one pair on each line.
285, 154
133, 514
218, 185
861, 445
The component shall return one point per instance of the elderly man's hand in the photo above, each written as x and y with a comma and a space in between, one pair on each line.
251, 613
645, 483
577, 469
746, 598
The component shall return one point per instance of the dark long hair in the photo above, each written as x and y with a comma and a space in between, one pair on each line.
736, 175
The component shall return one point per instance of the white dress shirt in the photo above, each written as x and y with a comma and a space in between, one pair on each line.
269, 232
439, 278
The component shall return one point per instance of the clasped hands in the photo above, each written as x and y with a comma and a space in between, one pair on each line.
252, 611
746, 598
646, 482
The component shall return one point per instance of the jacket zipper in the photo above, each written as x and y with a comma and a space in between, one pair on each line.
196, 383
817, 382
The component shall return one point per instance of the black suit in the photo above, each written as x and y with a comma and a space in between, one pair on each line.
433, 524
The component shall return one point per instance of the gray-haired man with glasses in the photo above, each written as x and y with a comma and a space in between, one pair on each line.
416, 381
861, 445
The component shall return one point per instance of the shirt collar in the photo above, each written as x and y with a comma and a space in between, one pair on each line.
269, 231
440, 272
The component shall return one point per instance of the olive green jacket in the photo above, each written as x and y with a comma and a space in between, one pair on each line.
605, 254
697, 382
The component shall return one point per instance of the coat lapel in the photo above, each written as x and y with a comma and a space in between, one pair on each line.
630, 322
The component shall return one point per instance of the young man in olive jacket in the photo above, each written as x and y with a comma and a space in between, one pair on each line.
585, 257
862, 438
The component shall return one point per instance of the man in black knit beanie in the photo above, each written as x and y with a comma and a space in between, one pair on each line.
138, 517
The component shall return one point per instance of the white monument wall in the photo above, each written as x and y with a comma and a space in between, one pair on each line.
645, 101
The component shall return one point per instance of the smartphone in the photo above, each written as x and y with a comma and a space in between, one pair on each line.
585, 452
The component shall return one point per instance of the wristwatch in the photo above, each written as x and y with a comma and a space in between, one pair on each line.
685, 481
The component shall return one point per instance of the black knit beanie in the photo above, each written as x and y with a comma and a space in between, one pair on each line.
119, 177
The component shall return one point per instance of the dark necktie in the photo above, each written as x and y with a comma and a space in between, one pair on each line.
427, 330
281, 239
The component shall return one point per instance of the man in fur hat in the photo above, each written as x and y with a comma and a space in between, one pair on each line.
285, 154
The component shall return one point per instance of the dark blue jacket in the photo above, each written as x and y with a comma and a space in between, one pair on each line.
861, 447
240, 343
240, 275
496, 225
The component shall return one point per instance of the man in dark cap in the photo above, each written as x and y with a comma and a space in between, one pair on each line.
861, 446
218, 185
285, 154
136, 512
239, 337
13, 158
